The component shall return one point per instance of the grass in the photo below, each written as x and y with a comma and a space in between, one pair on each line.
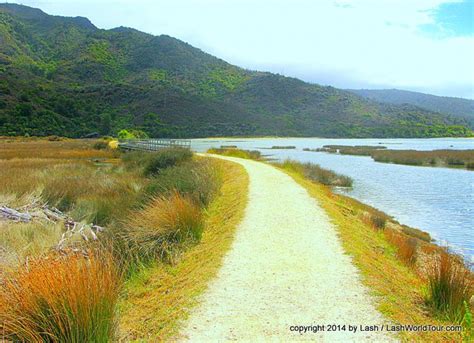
155, 207
398, 287
406, 247
198, 179
158, 298
69, 298
315, 173
26, 239
450, 286
247, 154
166, 158
62, 149
158, 230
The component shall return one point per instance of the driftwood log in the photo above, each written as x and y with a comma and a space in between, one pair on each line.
10, 213
86, 231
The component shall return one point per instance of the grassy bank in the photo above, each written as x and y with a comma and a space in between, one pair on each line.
148, 210
157, 299
398, 264
435, 158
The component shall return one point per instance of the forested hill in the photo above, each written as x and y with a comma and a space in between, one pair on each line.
64, 76
458, 107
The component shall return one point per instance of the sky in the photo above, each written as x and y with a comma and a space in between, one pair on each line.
418, 45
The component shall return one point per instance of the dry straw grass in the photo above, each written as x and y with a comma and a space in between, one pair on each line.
68, 298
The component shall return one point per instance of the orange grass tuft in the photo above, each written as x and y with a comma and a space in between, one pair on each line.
69, 298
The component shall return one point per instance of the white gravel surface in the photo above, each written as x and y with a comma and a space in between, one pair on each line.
286, 268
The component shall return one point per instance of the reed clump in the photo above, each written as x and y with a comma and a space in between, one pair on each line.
70, 298
450, 286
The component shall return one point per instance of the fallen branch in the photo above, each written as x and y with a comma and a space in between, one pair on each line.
12, 214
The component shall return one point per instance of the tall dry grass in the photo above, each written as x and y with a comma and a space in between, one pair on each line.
66, 149
159, 230
406, 247
69, 298
450, 285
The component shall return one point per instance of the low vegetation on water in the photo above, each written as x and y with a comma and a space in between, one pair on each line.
151, 209
283, 147
434, 158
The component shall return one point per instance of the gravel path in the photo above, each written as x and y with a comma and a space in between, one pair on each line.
286, 267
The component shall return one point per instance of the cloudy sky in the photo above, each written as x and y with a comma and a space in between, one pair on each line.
420, 45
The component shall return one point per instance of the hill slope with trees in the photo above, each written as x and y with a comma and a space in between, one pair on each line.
457, 107
64, 76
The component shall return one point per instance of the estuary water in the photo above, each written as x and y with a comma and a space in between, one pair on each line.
436, 200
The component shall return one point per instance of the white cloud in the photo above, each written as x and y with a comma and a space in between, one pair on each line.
363, 43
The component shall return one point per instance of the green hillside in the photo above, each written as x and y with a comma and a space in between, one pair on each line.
457, 107
64, 76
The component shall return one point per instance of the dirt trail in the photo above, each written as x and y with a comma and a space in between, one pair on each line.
286, 267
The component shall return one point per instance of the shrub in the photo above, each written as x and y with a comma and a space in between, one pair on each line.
159, 229
100, 145
68, 298
378, 220
166, 158
201, 180
449, 286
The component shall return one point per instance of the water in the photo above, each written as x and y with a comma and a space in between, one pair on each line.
436, 200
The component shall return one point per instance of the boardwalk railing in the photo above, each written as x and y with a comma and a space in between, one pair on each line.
154, 144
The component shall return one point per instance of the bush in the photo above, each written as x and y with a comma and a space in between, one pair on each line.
378, 220
166, 158
198, 179
159, 229
68, 298
449, 286
406, 246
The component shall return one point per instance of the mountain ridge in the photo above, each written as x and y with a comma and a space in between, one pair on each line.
62, 75
456, 106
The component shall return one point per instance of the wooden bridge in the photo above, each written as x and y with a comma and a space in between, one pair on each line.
154, 144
